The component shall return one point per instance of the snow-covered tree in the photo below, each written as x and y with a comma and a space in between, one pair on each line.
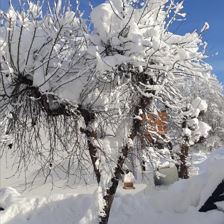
136, 55
78, 99
208, 88
193, 131
42, 57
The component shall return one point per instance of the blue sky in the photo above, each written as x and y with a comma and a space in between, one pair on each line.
198, 12
211, 11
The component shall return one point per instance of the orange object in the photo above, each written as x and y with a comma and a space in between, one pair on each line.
128, 185
156, 124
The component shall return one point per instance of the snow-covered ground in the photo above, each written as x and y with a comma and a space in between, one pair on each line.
179, 203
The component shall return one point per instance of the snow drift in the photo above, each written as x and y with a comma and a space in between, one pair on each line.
179, 203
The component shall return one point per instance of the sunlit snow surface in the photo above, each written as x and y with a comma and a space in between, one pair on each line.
179, 203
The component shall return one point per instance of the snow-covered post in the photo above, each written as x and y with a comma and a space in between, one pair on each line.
193, 131
128, 180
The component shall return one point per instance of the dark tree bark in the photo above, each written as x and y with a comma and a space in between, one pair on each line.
118, 171
183, 167
110, 192
183, 171
89, 118
48, 103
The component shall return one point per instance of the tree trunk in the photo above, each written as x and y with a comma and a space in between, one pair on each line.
118, 171
184, 153
89, 118
183, 168
110, 192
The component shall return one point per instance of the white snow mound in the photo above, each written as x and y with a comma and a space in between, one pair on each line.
8, 196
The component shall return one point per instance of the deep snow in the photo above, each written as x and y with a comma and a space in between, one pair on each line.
179, 203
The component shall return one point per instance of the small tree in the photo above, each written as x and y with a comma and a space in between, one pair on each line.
135, 52
207, 88
41, 58
194, 131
